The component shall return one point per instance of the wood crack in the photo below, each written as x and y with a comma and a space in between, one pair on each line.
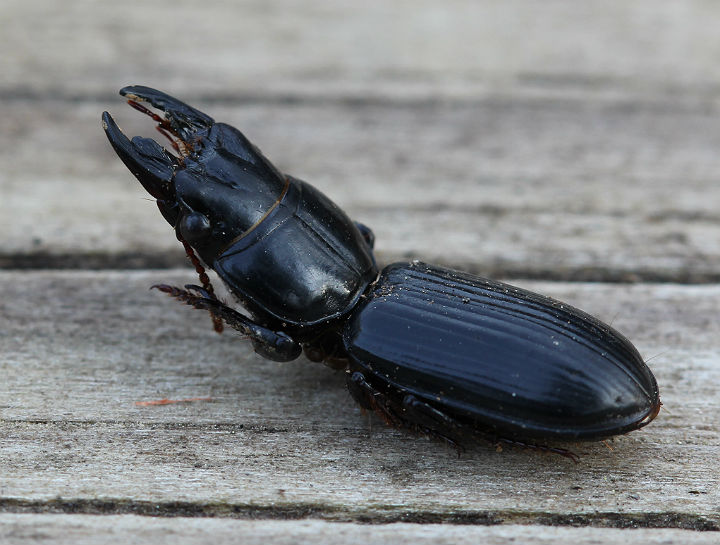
375, 514
567, 273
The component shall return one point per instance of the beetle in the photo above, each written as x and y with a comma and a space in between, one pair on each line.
441, 352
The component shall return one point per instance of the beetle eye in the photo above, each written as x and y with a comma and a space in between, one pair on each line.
194, 227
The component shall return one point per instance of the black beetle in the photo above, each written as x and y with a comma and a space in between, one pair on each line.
442, 352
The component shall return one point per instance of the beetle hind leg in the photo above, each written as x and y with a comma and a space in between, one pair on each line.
445, 427
409, 413
432, 422
499, 441
419, 416
371, 399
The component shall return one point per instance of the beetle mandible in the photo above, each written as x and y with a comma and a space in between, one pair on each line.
438, 351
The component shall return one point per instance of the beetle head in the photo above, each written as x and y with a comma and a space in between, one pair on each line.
214, 188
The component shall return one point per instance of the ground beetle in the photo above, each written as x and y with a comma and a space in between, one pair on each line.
438, 351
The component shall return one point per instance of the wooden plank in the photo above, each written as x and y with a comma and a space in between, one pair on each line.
422, 48
551, 140
503, 188
278, 440
560, 155
86, 529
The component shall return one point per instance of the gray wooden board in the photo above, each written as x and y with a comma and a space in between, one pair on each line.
461, 48
85, 529
285, 440
552, 140
514, 188
585, 150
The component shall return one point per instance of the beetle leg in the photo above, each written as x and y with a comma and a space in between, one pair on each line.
201, 291
367, 234
372, 399
539, 448
424, 418
410, 414
274, 345
445, 427
433, 422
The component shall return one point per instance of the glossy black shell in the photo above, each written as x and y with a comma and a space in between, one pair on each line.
497, 357
306, 263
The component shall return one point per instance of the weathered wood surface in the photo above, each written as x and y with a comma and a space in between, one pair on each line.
552, 140
584, 150
406, 49
85, 529
529, 189
286, 440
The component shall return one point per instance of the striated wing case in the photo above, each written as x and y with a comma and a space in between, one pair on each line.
499, 357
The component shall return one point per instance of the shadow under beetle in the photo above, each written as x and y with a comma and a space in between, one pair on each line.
438, 351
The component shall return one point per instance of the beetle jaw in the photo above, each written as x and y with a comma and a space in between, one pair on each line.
152, 166
182, 119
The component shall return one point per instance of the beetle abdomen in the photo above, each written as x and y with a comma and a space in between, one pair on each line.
505, 359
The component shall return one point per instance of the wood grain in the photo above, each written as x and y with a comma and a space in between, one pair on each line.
549, 141
85, 529
536, 195
278, 439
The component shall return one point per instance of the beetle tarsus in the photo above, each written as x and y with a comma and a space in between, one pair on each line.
565, 453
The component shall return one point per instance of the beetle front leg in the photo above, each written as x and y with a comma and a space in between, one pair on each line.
273, 345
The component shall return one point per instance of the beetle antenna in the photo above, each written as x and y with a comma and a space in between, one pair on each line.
656, 355
204, 279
